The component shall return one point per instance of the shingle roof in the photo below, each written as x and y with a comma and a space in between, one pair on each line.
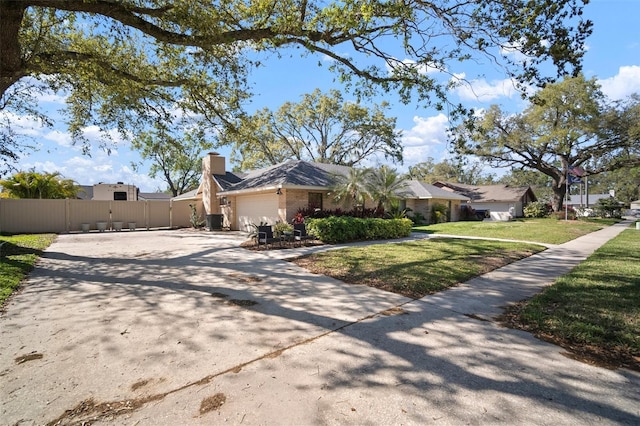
227, 180
488, 193
417, 189
191, 195
579, 200
153, 196
293, 173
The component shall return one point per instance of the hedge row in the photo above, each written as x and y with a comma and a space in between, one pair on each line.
335, 230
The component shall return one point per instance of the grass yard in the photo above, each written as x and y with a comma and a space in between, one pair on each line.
416, 268
19, 255
550, 231
595, 309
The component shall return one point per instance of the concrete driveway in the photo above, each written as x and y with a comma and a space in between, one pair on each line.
183, 327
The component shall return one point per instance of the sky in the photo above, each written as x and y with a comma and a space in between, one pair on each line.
612, 57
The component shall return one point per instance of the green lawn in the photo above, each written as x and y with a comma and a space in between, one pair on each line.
417, 268
19, 254
550, 231
595, 308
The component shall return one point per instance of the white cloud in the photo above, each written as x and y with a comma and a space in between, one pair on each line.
103, 168
427, 138
22, 124
623, 84
515, 49
481, 90
427, 131
61, 138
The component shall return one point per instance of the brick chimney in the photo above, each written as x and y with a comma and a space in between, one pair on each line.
212, 164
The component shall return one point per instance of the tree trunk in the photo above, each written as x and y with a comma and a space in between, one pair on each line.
559, 192
12, 68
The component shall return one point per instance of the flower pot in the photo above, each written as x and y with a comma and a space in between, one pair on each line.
117, 226
85, 227
102, 226
132, 226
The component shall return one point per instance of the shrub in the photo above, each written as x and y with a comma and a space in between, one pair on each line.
570, 214
281, 227
468, 213
194, 218
397, 214
439, 213
359, 212
342, 229
417, 218
536, 209
609, 207
586, 212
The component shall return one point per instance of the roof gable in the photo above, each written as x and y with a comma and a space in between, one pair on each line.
418, 189
489, 193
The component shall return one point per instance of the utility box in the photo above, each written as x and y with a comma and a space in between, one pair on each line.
214, 222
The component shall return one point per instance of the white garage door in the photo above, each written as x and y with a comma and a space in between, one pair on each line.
254, 209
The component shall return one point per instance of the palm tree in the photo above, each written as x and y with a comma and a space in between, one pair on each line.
352, 188
36, 185
385, 186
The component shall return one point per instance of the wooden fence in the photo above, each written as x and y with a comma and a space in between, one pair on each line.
64, 216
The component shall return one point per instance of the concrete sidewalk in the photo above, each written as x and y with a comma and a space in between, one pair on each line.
178, 328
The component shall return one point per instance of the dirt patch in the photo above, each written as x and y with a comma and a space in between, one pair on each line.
139, 384
251, 245
243, 302
29, 357
88, 411
236, 302
247, 279
611, 358
394, 311
477, 317
500, 259
212, 403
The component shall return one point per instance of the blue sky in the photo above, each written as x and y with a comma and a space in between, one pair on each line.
613, 57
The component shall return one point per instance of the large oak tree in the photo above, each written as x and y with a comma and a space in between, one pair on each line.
569, 124
118, 59
323, 128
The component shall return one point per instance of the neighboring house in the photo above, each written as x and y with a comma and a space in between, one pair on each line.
635, 205
119, 192
276, 193
85, 192
115, 191
154, 196
501, 201
587, 200
420, 197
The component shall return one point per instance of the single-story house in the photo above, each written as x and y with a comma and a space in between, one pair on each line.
586, 200
501, 201
420, 197
276, 193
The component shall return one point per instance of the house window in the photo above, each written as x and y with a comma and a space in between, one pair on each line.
120, 196
223, 201
315, 200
